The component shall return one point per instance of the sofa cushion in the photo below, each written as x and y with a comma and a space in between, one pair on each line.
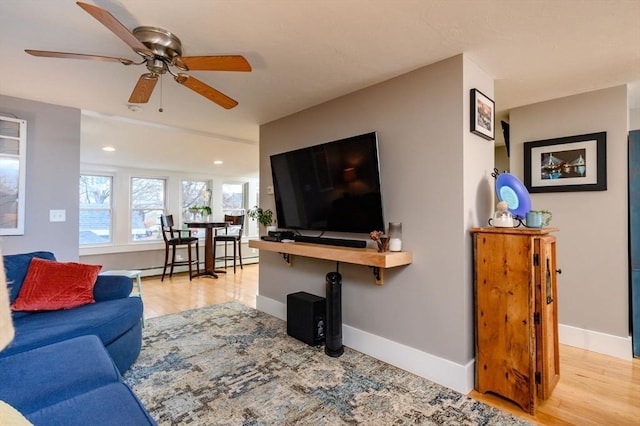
51, 285
110, 287
73, 382
16, 266
49, 374
108, 320
114, 404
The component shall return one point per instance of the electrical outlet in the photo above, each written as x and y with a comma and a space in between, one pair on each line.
57, 215
270, 189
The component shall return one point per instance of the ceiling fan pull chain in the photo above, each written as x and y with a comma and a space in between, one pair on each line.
161, 92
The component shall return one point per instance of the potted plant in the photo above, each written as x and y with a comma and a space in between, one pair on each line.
200, 212
262, 216
206, 213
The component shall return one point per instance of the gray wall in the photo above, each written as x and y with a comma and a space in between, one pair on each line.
435, 179
53, 169
592, 242
634, 119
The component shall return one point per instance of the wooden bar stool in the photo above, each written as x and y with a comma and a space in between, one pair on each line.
173, 239
232, 234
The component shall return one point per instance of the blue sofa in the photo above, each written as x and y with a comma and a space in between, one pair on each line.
69, 383
115, 317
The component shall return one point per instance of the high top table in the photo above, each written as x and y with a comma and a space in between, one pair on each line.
209, 261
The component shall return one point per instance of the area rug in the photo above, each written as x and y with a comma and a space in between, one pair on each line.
230, 364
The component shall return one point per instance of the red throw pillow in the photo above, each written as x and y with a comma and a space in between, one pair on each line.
51, 285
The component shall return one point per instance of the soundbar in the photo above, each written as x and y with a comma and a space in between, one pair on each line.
330, 241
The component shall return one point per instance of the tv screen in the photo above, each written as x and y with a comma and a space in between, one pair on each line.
334, 186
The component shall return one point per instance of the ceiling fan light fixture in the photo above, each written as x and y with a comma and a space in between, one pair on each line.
160, 50
134, 108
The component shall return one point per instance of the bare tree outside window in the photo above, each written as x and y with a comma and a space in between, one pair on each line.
195, 193
233, 198
147, 205
95, 209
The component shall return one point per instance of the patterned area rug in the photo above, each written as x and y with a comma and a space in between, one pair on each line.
229, 364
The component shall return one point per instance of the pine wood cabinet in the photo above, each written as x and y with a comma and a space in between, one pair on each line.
516, 313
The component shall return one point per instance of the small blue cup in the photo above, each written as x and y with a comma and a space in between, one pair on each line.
533, 220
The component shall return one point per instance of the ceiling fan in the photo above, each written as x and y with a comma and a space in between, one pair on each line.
160, 51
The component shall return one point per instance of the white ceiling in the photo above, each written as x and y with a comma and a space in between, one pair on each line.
303, 53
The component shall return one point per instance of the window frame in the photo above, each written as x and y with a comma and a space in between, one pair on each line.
244, 197
21, 157
110, 209
131, 209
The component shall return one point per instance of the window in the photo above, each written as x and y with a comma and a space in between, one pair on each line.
233, 199
13, 162
195, 193
147, 205
95, 209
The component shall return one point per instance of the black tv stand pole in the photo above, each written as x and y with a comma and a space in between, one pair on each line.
333, 333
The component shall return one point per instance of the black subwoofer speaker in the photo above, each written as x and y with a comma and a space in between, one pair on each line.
306, 317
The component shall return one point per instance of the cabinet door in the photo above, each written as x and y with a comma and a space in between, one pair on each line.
505, 336
547, 355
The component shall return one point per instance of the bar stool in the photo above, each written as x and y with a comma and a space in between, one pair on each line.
232, 234
174, 239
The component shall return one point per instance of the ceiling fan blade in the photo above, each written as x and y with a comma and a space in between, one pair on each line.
47, 54
205, 90
144, 88
109, 21
214, 63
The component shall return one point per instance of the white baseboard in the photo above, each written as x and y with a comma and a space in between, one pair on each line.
607, 344
151, 272
442, 371
439, 370
271, 307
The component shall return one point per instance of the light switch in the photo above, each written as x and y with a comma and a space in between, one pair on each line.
57, 215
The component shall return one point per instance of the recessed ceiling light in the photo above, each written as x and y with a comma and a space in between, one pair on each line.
217, 162
108, 148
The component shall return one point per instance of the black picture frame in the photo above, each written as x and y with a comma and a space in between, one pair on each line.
567, 164
483, 115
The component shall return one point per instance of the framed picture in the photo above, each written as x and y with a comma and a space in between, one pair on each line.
482, 115
572, 163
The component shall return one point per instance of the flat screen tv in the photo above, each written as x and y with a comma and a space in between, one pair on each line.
334, 186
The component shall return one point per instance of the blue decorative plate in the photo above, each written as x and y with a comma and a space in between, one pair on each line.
510, 189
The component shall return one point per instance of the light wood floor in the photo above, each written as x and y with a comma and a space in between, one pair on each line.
594, 389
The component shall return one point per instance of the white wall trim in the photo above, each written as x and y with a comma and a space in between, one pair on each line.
156, 271
607, 344
442, 371
439, 370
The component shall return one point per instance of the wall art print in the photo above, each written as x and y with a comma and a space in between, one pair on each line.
572, 163
482, 115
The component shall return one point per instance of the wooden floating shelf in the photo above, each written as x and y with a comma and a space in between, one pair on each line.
359, 256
